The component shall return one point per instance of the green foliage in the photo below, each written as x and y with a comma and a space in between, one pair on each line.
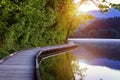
116, 6
32, 23
106, 5
103, 5
103, 8
20, 20
3, 53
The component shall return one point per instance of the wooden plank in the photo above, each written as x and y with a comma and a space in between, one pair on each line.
17, 71
20, 66
16, 79
16, 75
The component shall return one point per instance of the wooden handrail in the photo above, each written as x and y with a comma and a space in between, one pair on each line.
51, 51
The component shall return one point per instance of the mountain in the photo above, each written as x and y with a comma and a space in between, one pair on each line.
111, 13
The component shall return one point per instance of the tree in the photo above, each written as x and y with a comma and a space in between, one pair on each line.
103, 5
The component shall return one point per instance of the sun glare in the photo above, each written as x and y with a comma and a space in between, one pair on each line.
82, 64
76, 1
85, 7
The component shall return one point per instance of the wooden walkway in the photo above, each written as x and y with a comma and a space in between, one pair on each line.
21, 66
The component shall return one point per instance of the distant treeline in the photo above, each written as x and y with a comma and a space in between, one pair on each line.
100, 28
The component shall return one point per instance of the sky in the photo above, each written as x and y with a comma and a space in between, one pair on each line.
90, 6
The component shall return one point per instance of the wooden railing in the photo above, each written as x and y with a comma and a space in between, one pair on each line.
51, 51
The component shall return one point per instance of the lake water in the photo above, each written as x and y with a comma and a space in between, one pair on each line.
101, 57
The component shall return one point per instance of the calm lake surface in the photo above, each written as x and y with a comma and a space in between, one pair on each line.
101, 57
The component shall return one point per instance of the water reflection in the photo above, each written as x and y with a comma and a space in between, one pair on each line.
100, 57
97, 72
106, 62
79, 70
101, 72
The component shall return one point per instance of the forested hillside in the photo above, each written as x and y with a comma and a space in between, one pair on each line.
104, 23
100, 28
